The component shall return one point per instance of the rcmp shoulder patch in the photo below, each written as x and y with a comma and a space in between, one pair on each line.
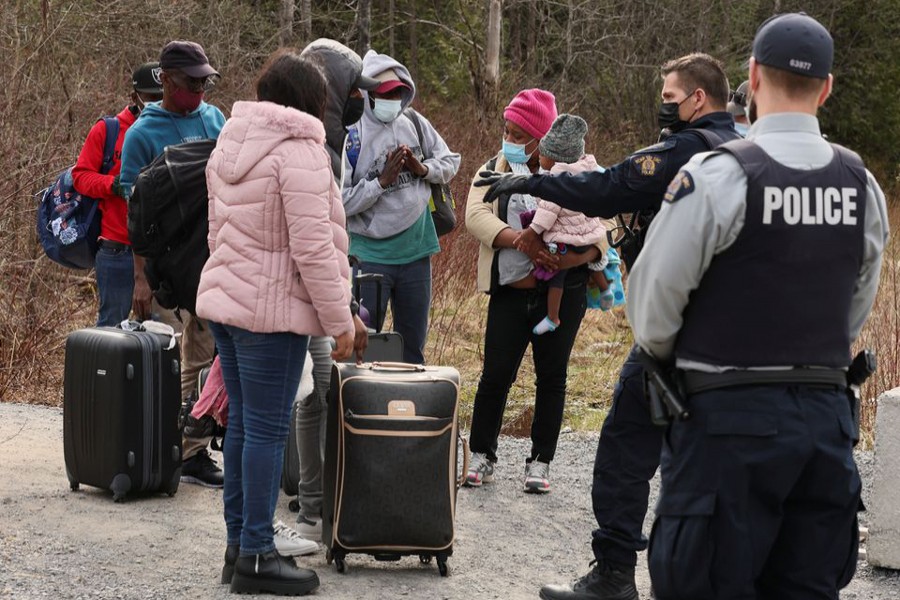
681, 186
647, 164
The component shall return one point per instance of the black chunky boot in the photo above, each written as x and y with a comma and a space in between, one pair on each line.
231, 554
271, 573
605, 581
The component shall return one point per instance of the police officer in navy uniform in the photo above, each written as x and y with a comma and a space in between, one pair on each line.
756, 278
694, 94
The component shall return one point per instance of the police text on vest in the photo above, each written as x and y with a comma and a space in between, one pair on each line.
810, 206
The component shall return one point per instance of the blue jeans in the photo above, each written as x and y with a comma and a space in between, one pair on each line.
262, 374
115, 285
408, 287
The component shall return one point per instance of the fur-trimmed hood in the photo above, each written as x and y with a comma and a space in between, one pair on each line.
255, 128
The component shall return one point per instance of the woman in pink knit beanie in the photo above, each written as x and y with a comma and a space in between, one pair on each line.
517, 304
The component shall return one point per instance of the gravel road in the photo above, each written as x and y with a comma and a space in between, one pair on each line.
59, 544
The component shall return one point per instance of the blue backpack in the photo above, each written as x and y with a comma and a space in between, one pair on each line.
68, 224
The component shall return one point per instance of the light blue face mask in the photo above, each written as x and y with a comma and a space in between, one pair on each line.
515, 153
386, 110
742, 129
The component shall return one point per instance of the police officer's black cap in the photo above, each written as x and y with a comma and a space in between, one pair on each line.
794, 42
145, 79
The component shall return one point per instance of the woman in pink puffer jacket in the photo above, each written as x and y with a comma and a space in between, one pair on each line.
277, 273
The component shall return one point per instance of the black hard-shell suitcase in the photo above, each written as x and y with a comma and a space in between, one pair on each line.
390, 477
122, 396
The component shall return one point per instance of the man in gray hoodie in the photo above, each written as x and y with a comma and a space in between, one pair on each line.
344, 106
386, 198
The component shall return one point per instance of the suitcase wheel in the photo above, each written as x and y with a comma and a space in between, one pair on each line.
74, 486
117, 497
442, 568
294, 505
339, 564
329, 557
425, 559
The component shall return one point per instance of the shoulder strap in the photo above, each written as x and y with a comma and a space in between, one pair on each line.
413, 116
109, 148
852, 161
710, 138
748, 154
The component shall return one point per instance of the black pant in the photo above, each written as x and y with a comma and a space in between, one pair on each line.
627, 458
759, 497
512, 314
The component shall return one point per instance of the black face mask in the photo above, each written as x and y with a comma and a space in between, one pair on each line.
353, 111
668, 118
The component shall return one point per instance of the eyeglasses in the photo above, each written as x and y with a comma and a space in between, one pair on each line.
193, 84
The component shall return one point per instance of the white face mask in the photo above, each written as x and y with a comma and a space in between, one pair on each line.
386, 110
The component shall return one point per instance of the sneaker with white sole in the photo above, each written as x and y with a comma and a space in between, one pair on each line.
481, 470
290, 543
537, 477
309, 527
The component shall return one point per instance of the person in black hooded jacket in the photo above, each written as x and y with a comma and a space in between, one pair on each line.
343, 107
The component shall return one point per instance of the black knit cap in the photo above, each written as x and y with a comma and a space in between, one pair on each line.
145, 79
794, 42
187, 57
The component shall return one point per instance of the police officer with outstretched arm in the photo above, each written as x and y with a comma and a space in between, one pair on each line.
756, 278
694, 95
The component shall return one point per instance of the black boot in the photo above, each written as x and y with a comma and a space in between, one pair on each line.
271, 573
606, 581
231, 555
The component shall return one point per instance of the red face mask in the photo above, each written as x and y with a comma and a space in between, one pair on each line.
186, 101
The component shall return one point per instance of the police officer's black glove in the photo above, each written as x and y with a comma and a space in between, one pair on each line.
502, 184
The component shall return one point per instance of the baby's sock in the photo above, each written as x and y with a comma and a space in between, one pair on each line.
544, 326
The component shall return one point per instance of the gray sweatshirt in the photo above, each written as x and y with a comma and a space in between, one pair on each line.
377, 212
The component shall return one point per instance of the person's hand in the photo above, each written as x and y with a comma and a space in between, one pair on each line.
412, 163
116, 187
343, 346
550, 262
501, 183
393, 164
360, 338
142, 298
529, 242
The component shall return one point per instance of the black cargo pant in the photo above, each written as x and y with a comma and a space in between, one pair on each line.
627, 458
759, 497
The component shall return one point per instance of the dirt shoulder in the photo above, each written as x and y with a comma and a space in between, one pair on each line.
63, 544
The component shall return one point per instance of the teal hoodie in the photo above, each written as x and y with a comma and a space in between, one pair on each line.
157, 128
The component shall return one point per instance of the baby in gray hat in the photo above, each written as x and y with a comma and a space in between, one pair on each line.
563, 230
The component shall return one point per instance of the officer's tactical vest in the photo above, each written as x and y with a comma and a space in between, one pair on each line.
781, 293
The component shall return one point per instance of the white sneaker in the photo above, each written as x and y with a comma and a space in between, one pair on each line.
481, 470
309, 527
290, 543
537, 477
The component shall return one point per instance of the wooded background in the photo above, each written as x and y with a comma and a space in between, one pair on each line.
64, 63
